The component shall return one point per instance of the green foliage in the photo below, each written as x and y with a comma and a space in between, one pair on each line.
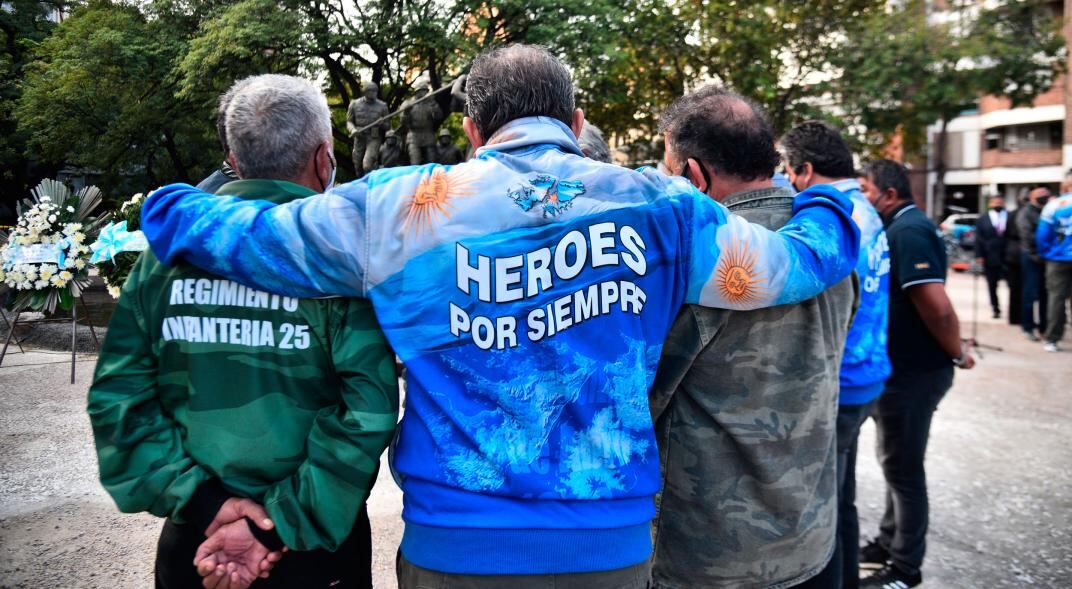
101, 96
902, 73
22, 24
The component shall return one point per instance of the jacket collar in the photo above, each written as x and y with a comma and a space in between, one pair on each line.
529, 132
276, 191
749, 196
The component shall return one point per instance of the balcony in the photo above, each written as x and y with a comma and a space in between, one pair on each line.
998, 158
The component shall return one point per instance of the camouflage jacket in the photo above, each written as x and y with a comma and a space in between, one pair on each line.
205, 388
745, 404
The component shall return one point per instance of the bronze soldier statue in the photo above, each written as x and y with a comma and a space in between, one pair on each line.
447, 153
420, 120
363, 112
391, 151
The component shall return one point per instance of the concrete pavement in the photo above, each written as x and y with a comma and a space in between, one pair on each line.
998, 465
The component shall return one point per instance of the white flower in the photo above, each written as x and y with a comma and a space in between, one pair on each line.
46, 198
41, 284
52, 218
114, 291
57, 281
80, 264
65, 275
70, 209
78, 237
24, 285
31, 273
69, 263
47, 271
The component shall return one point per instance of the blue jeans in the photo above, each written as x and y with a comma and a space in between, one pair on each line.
847, 553
1033, 275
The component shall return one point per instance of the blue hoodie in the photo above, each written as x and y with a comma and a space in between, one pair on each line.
1053, 238
866, 365
528, 292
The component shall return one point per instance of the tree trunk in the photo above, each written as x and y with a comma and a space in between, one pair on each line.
939, 170
183, 175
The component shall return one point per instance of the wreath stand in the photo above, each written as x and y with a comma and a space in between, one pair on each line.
74, 331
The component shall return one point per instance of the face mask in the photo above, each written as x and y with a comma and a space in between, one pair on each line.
998, 209
703, 171
331, 180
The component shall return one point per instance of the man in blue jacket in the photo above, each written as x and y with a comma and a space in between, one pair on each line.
816, 154
528, 291
1053, 239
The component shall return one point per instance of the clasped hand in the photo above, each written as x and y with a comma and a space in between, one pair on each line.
231, 557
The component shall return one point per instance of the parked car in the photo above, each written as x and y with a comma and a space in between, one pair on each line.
961, 228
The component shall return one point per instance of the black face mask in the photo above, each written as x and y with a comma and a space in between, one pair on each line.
1042, 200
998, 209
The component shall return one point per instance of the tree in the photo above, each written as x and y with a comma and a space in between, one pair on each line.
772, 51
903, 71
100, 95
22, 24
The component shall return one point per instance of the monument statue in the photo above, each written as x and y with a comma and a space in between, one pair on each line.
447, 153
391, 151
420, 118
363, 112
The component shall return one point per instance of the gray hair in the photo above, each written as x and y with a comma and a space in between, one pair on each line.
275, 123
592, 143
514, 82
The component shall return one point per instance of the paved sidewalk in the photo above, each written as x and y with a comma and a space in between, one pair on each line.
1000, 470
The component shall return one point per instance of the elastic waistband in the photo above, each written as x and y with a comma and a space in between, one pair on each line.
483, 551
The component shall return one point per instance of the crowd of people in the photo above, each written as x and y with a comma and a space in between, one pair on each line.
614, 378
1027, 248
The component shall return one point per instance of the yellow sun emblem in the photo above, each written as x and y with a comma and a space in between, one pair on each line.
431, 202
736, 275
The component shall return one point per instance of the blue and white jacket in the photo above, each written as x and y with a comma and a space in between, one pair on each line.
528, 292
1053, 238
866, 365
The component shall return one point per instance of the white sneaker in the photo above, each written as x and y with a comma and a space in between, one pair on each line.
1050, 347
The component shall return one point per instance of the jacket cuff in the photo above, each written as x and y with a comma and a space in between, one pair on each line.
205, 504
269, 538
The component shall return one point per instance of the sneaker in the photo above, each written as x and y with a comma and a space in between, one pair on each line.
873, 555
1050, 347
1031, 337
890, 577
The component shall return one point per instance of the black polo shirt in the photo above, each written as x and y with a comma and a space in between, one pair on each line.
917, 256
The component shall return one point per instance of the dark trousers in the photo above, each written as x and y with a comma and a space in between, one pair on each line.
1059, 289
348, 567
994, 274
411, 576
1033, 274
1016, 287
903, 418
847, 553
828, 578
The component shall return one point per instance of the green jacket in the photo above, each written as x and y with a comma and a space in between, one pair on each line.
206, 389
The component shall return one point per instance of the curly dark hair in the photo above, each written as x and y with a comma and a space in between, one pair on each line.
821, 145
724, 130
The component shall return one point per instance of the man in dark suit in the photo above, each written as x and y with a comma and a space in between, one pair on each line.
1013, 271
990, 247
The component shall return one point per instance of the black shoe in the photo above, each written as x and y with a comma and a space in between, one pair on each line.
891, 577
997, 315
873, 555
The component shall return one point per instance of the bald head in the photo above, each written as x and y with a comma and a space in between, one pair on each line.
724, 130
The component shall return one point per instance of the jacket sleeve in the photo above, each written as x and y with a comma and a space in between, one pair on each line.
981, 236
1046, 235
316, 507
1027, 233
316, 246
735, 264
143, 464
